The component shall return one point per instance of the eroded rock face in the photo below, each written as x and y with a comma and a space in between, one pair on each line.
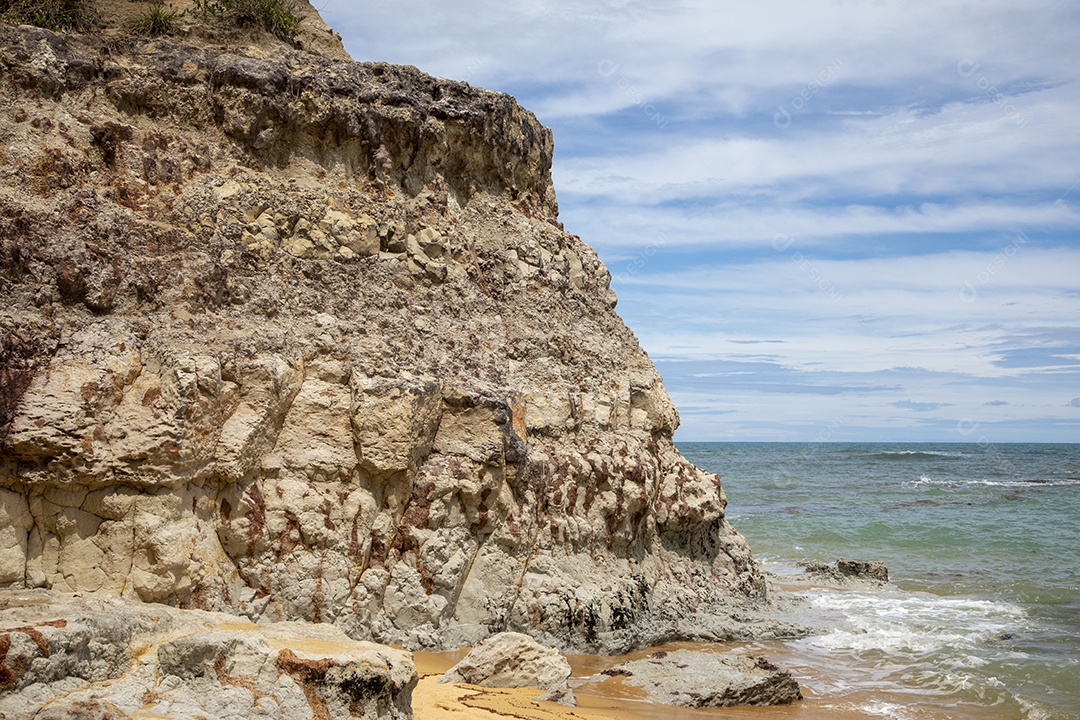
304, 339
70, 657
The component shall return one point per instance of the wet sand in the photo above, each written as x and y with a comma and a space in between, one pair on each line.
603, 698
606, 699
434, 701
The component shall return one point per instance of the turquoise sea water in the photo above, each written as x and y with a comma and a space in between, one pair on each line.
982, 542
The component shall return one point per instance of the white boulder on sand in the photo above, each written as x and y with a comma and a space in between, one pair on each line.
514, 660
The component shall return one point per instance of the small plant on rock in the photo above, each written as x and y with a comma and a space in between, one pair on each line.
156, 19
280, 17
50, 14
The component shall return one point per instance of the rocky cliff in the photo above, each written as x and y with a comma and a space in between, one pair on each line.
295, 337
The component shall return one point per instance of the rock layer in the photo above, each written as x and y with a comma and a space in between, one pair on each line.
69, 657
298, 338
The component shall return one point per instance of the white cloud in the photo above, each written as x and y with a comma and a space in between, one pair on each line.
868, 315
959, 149
771, 226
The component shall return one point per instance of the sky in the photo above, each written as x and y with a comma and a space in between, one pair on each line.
825, 221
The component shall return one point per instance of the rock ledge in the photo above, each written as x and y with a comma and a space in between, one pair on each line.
67, 657
701, 679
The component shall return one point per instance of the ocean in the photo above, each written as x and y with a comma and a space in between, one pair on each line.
982, 543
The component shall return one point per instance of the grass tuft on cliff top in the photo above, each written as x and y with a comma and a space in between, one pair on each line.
155, 20
280, 17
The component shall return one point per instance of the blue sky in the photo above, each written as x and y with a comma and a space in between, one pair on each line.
824, 220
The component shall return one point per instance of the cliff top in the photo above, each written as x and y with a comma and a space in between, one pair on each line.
259, 28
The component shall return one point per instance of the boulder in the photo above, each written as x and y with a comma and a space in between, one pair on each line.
514, 660
702, 679
68, 657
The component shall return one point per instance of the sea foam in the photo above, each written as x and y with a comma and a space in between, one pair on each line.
905, 623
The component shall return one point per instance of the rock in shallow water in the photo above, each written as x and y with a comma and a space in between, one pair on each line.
846, 572
702, 679
873, 570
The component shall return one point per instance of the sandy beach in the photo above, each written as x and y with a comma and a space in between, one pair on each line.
606, 699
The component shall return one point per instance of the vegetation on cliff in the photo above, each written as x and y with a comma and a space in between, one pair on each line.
80, 15
282, 18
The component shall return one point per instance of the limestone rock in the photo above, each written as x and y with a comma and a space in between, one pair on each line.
701, 679
298, 338
848, 572
514, 660
874, 570
96, 656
